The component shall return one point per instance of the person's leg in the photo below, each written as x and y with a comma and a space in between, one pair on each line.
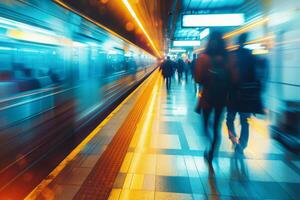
206, 113
186, 76
169, 83
244, 117
166, 81
179, 76
230, 125
216, 131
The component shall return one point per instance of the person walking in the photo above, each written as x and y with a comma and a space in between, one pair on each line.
180, 68
192, 69
192, 65
187, 63
212, 71
167, 71
243, 96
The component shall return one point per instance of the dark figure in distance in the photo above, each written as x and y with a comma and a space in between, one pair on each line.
214, 74
192, 69
193, 64
180, 68
186, 69
167, 71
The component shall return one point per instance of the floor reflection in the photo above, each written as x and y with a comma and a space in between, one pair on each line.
180, 172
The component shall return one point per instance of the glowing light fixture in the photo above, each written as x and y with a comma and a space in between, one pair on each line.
247, 27
177, 50
32, 37
10, 24
186, 43
210, 20
260, 51
128, 6
204, 33
78, 44
254, 46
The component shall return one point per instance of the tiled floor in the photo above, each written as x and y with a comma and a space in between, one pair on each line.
165, 158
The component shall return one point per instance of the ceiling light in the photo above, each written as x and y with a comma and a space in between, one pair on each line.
177, 50
186, 43
210, 20
204, 33
254, 46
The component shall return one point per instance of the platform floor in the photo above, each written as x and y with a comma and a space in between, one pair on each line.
165, 158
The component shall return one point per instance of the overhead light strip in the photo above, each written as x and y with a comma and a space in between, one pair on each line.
212, 20
177, 50
186, 43
133, 14
247, 27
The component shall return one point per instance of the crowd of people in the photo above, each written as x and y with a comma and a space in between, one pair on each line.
183, 69
227, 80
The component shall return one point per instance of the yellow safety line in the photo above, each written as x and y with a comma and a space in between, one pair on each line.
145, 125
38, 189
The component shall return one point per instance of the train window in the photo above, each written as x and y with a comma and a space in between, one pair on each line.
6, 60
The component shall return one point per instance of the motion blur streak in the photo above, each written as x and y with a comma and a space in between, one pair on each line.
247, 27
98, 24
141, 26
43, 185
61, 74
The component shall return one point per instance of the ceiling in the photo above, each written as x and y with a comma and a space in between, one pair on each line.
177, 32
114, 15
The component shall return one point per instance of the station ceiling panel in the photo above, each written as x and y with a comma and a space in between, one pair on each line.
210, 4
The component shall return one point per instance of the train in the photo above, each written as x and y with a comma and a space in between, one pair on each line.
61, 73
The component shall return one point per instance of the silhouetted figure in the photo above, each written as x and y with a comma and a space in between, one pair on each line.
242, 94
213, 72
167, 71
186, 69
180, 68
192, 65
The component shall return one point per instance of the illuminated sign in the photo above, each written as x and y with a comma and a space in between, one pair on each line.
210, 20
177, 50
186, 43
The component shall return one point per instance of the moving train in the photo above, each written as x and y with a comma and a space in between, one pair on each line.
60, 75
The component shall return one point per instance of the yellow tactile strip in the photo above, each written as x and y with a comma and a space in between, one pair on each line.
100, 181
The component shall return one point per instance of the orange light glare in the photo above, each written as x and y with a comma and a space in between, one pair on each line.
247, 27
133, 14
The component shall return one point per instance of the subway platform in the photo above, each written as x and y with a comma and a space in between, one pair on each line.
151, 147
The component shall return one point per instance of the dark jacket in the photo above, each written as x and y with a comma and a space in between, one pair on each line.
244, 94
214, 75
180, 65
192, 67
167, 68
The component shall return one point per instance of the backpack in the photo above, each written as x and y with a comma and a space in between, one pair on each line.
216, 83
